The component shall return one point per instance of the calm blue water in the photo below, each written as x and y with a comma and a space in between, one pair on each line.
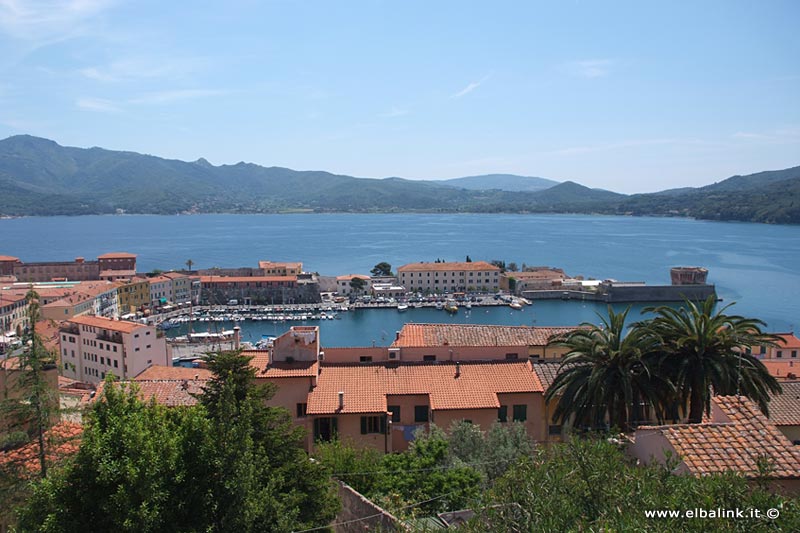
756, 265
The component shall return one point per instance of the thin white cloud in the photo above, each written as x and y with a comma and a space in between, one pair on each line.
167, 97
134, 68
44, 21
591, 68
787, 135
98, 104
471, 87
394, 112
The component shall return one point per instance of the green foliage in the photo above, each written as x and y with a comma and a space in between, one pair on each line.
358, 284
228, 464
701, 349
382, 269
358, 467
589, 485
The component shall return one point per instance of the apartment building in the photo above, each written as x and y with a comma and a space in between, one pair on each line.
91, 347
181, 289
449, 277
344, 284
109, 266
13, 314
134, 294
90, 297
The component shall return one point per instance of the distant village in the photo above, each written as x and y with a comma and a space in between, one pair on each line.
102, 317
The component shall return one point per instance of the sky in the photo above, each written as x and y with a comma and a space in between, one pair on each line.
627, 96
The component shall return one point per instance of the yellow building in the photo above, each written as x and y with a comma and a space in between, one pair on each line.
271, 268
133, 295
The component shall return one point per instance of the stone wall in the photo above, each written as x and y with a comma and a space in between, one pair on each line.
355, 507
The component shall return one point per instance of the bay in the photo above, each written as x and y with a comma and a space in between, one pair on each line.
755, 265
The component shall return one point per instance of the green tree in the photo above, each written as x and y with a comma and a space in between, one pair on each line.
512, 267
189, 264
358, 284
704, 350
469, 259
382, 269
605, 375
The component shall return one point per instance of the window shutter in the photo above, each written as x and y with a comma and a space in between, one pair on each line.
363, 425
383, 424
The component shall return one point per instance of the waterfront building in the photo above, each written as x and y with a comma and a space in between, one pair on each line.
387, 290
273, 268
256, 290
181, 287
109, 266
449, 277
787, 348
134, 295
344, 287
91, 347
535, 278
160, 290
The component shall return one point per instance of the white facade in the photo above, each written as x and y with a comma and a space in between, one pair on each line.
449, 277
91, 347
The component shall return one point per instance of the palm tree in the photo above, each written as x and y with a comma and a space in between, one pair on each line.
605, 375
189, 264
702, 350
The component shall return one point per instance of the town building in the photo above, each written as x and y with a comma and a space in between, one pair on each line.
257, 290
735, 437
134, 295
449, 277
109, 266
344, 284
13, 314
788, 347
181, 288
784, 410
273, 268
89, 297
91, 347
534, 278
160, 291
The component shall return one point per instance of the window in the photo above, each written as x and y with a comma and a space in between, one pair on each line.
136, 349
135, 335
102, 360
395, 410
420, 413
301, 410
554, 430
115, 364
794, 353
115, 348
779, 354
325, 429
365, 358
763, 350
429, 358
147, 333
502, 414
373, 424
511, 356
520, 413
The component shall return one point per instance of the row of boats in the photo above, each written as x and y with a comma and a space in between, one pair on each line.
178, 321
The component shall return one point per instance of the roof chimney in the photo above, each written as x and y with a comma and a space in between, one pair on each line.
341, 400
458, 368
236, 337
397, 335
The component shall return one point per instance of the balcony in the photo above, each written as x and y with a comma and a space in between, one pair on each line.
110, 337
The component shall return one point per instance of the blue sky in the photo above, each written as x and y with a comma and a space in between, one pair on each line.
628, 96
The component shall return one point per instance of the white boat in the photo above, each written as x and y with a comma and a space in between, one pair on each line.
515, 305
450, 306
402, 307
439, 306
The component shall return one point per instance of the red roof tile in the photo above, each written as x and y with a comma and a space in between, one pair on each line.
734, 444
365, 387
63, 440
124, 326
298, 369
422, 335
784, 408
160, 372
117, 255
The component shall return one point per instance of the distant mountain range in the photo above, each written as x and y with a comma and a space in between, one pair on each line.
40, 177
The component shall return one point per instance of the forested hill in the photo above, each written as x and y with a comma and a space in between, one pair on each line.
40, 177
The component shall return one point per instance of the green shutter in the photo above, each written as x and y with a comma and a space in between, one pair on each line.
363, 425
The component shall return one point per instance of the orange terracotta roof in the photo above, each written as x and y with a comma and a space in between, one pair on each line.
10, 363
790, 341
735, 443
784, 408
159, 279
783, 369
547, 372
242, 279
347, 277
430, 267
8, 258
422, 335
63, 440
123, 326
167, 392
117, 255
110, 273
160, 372
298, 369
537, 274
7, 299
366, 387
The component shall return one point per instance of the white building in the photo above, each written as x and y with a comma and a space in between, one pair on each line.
92, 347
